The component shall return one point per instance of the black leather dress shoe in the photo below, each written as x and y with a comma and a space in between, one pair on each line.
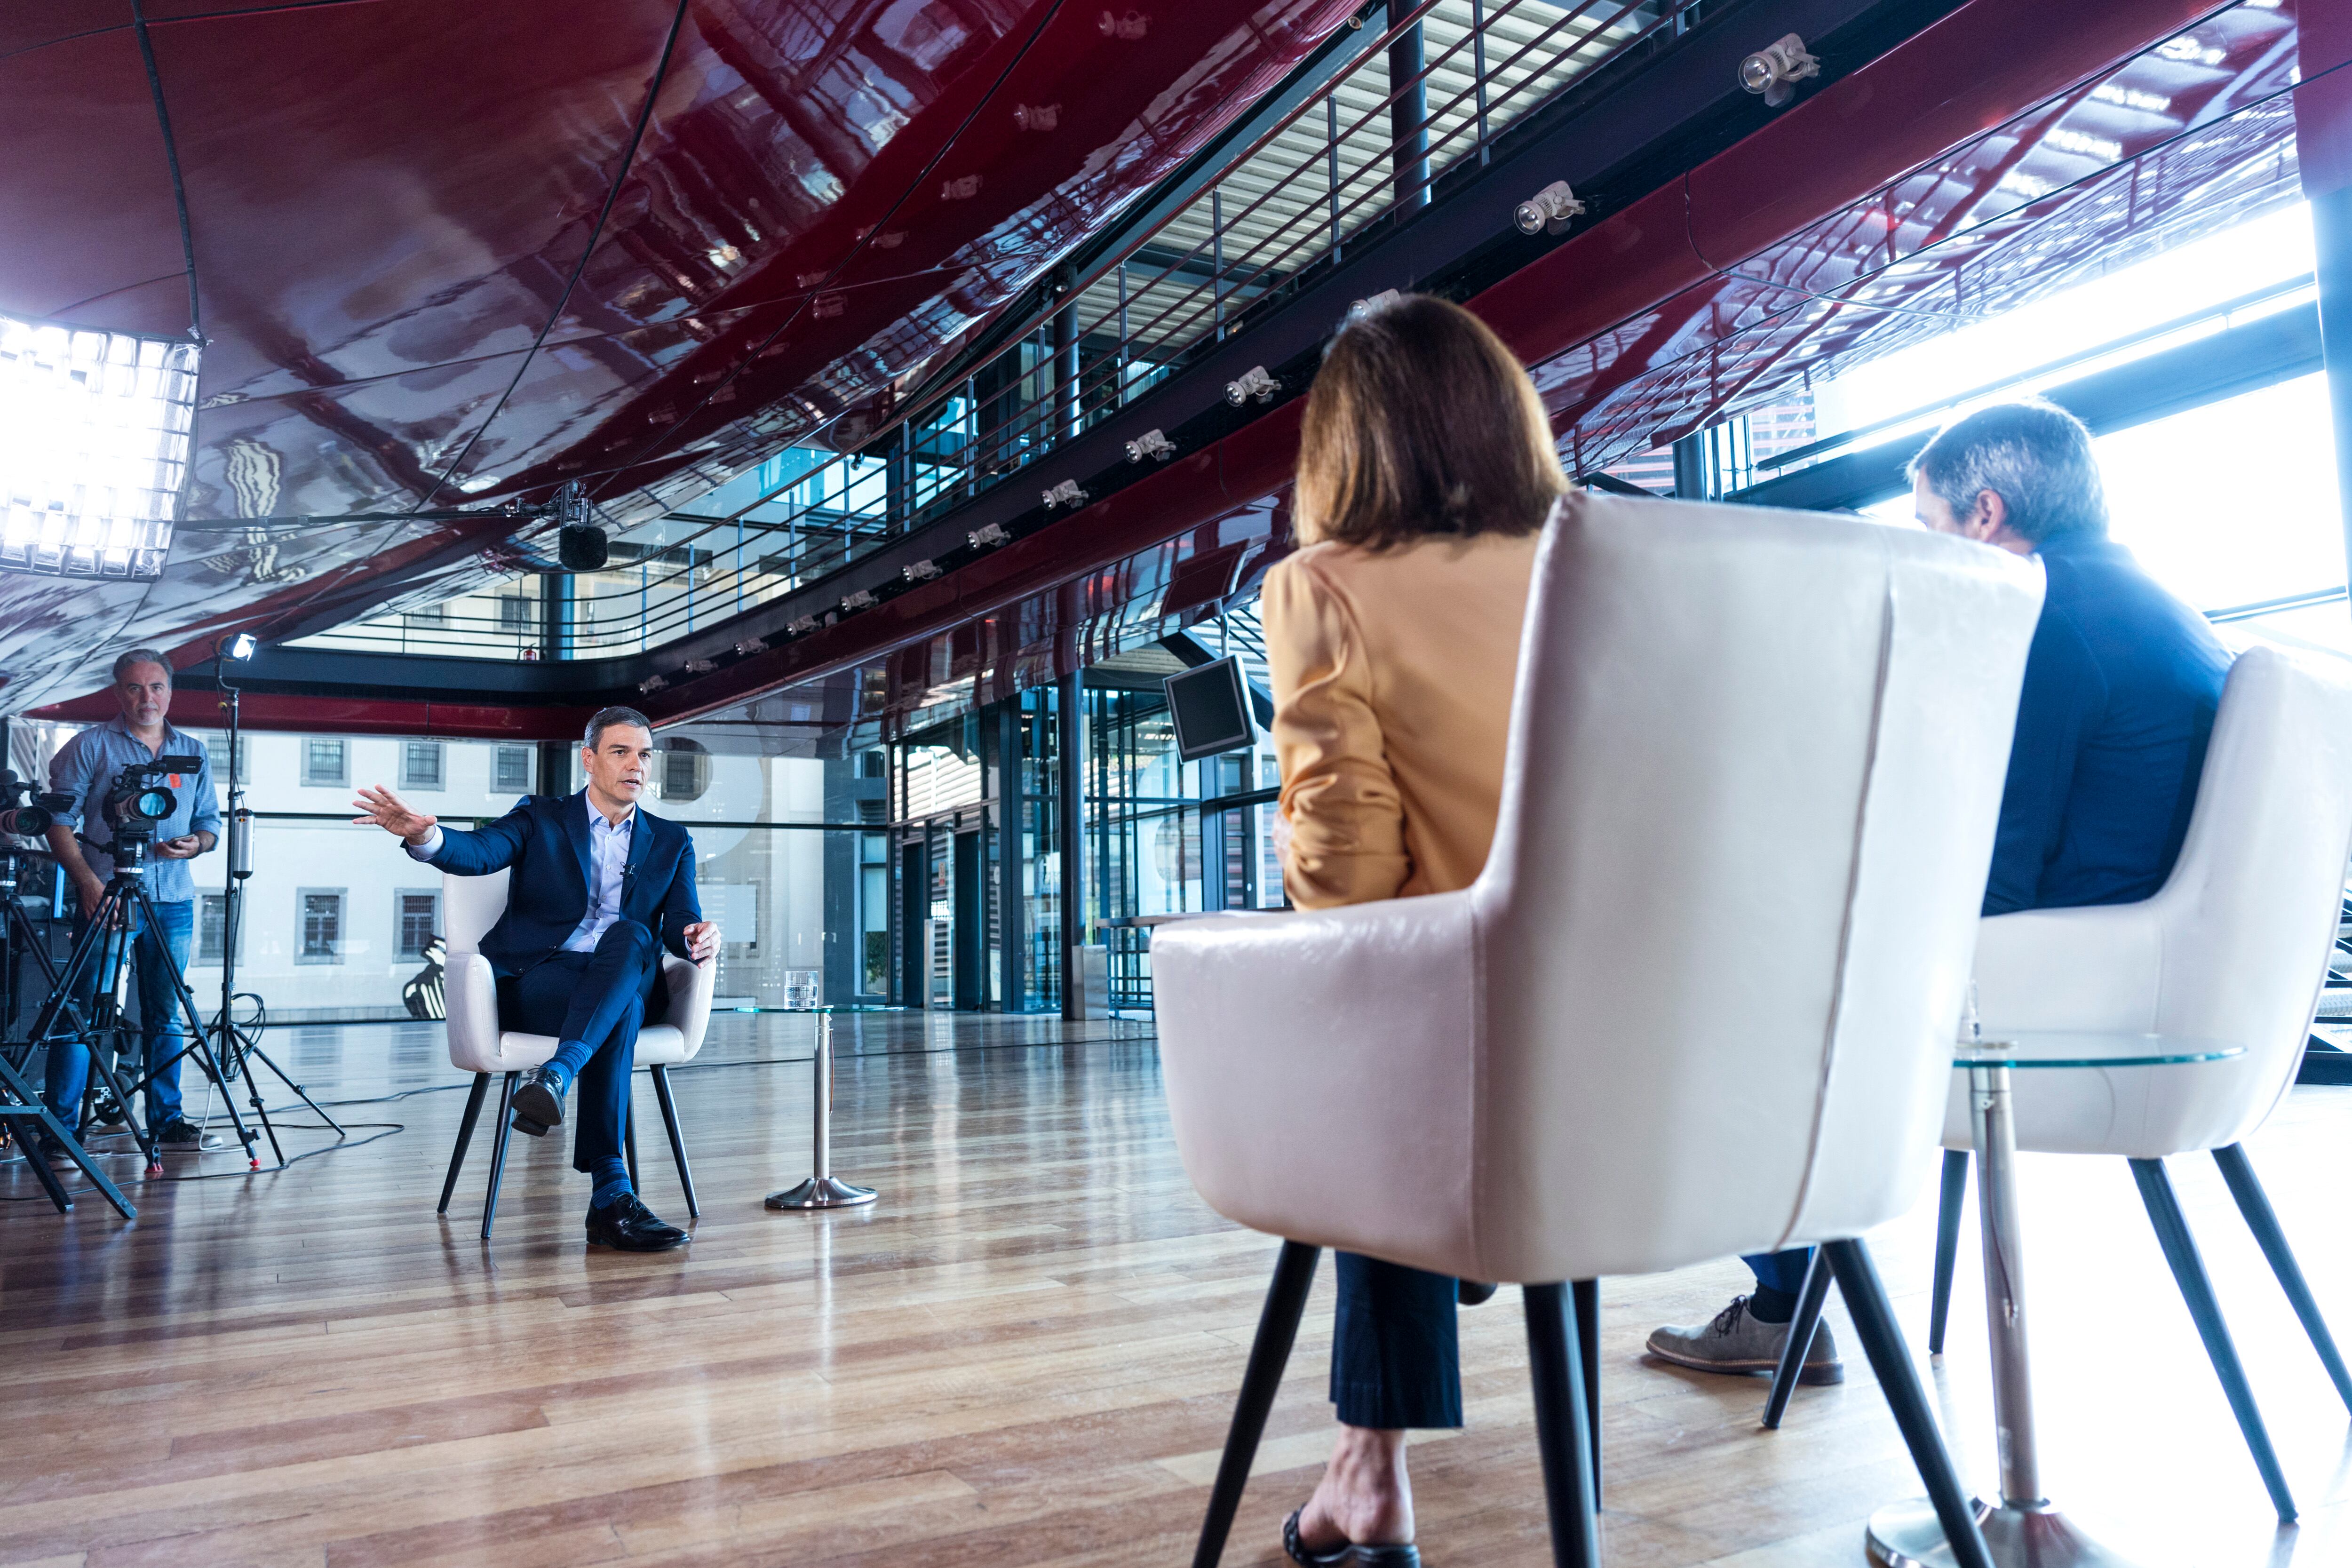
627, 1226
538, 1102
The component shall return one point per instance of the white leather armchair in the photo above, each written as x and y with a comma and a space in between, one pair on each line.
1801, 720
479, 1044
2233, 947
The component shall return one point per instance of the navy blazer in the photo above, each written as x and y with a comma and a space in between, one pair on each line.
2121, 687
545, 842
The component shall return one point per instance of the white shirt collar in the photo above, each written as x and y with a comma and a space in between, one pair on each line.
597, 820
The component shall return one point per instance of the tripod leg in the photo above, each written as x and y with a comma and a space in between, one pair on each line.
677, 1140
247, 1048
141, 1134
40, 1115
465, 1136
200, 1045
499, 1150
28, 1145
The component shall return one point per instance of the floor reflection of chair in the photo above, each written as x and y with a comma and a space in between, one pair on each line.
2235, 947
478, 1044
1531, 1080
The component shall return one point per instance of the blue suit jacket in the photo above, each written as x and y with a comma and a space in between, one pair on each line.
2120, 690
544, 841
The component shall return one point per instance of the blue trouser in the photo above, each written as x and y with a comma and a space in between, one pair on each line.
599, 997
1395, 1359
1782, 1271
159, 1015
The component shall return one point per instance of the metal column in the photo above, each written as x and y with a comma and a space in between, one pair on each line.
1066, 407
1409, 118
1069, 802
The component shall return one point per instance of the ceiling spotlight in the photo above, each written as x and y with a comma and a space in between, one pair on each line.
700, 666
750, 645
1151, 444
651, 684
860, 599
987, 536
803, 627
1549, 209
1251, 383
1776, 70
1066, 494
93, 448
920, 572
1379, 302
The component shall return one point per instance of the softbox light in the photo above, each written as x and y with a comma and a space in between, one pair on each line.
94, 434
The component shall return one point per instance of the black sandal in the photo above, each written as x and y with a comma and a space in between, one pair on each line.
1342, 1556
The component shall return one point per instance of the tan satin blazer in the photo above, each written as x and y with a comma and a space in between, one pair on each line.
1392, 674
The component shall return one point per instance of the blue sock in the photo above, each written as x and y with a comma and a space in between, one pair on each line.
570, 1056
612, 1182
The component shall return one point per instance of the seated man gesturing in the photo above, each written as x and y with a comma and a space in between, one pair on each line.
599, 888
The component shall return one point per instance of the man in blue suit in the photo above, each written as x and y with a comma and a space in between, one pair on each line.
2121, 686
599, 888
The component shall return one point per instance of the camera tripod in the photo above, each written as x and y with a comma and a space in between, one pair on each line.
20, 1107
103, 951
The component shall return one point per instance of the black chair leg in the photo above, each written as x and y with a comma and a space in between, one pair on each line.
2197, 1289
1277, 1327
498, 1150
1586, 1294
677, 1140
1802, 1327
1949, 1205
2255, 1204
1563, 1433
1890, 1362
465, 1137
629, 1141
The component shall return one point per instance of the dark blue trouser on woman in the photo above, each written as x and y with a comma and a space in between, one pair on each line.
599, 997
1395, 1357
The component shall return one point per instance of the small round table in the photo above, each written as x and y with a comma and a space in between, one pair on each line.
2026, 1530
821, 1190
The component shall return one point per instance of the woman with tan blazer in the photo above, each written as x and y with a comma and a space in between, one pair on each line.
1426, 470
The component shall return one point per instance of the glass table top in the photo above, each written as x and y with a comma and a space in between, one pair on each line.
2086, 1049
826, 1007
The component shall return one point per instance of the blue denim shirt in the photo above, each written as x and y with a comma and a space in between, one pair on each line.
84, 768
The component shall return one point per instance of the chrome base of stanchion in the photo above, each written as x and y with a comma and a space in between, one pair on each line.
821, 1192
1908, 1535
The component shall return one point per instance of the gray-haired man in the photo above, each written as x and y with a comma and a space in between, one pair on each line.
84, 768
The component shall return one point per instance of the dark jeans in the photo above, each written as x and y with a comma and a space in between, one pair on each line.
600, 997
1782, 1271
160, 1020
1395, 1359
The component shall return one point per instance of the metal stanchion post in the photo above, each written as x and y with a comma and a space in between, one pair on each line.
821, 1191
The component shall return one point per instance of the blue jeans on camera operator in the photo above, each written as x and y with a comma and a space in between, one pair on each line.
159, 1015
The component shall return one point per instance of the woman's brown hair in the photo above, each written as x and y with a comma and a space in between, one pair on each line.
1422, 422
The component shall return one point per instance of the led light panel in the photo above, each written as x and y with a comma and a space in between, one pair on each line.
94, 432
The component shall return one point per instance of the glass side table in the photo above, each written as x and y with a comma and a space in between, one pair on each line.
823, 1189
2025, 1530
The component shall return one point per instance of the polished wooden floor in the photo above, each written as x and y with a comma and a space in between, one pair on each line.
1024, 1354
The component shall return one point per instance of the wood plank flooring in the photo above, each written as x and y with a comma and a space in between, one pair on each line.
1024, 1354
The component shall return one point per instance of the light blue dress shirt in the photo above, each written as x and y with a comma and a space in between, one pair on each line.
84, 768
608, 859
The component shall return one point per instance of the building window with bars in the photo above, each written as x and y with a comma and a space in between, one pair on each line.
212, 926
510, 769
420, 764
416, 919
325, 762
318, 918
517, 613
685, 774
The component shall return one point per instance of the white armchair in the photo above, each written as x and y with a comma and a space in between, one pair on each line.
2233, 947
1802, 720
479, 1044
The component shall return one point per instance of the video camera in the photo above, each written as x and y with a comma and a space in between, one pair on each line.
141, 796
30, 818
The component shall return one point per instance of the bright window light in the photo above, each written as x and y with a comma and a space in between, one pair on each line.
94, 431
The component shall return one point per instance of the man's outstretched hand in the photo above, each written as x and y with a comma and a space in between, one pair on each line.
394, 815
701, 939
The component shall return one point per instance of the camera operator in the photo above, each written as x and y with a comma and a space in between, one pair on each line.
86, 768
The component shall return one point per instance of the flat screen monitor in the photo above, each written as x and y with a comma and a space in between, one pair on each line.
1210, 707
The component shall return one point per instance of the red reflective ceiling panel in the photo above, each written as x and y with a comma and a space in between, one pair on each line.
49, 627
29, 24
89, 198
376, 188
